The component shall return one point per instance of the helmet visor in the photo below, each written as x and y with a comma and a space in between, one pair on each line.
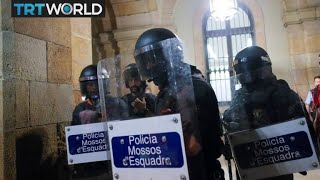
154, 61
250, 75
151, 64
250, 63
90, 89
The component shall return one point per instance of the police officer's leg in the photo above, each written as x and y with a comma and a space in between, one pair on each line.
92, 171
196, 167
215, 170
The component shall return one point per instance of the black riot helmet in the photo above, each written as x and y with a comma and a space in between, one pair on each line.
155, 50
252, 64
89, 82
131, 72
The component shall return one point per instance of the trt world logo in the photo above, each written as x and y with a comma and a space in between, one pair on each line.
58, 8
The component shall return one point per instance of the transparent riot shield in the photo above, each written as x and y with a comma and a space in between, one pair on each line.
87, 142
110, 88
267, 127
153, 146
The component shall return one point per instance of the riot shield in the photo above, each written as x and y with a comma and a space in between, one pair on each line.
267, 127
87, 143
110, 90
153, 146
143, 146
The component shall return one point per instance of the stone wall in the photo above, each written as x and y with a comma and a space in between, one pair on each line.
40, 65
40, 62
7, 93
81, 43
43, 79
302, 21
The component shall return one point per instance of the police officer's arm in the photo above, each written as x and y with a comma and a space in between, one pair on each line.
147, 107
289, 102
190, 128
291, 106
123, 109
150, 99
75, 115
208, 117
236, 117
84, 113
88, 116
297, 109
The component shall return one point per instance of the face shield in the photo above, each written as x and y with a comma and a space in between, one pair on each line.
104, 80
90, 89
131, 75
154, 61
111, 105
251, 70
133, 81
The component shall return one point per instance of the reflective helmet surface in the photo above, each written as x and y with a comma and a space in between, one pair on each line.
131, 72
252, 64
153, 50
153, 36
88, 76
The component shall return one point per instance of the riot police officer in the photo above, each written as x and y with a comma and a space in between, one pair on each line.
262, 100
159, 57
140, 104
86, 111
89, 111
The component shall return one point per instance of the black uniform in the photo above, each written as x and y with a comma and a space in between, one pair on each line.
137, 91
92, 169
206, 127
210, 126
267, 104
85, 105
134, 113
159, 57
262, 100
87, 169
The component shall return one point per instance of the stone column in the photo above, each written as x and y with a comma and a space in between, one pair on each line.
107, 45
81, 43
304, 46
35, 92
132, 18
7, 93
126, 40
43, 75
